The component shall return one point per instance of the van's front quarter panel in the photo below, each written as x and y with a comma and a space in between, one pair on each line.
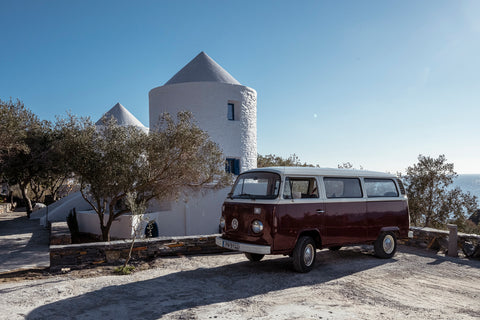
243, 212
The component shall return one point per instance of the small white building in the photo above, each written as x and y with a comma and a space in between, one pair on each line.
221, 106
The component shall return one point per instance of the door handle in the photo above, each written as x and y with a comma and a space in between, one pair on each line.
320, 211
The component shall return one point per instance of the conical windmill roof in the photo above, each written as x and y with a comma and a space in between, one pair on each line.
123, 117
202, 68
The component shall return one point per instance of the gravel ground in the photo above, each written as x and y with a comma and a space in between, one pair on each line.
347, 284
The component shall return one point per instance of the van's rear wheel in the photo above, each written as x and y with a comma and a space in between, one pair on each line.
386, 245
304, 254
254, 256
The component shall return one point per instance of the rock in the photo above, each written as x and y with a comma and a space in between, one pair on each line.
38, 206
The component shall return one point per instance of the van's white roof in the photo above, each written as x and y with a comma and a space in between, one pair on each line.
315, 171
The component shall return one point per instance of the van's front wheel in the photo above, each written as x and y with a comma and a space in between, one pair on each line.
304, 254
386, 245
254, 256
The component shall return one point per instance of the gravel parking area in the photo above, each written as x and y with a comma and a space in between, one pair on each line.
347, 284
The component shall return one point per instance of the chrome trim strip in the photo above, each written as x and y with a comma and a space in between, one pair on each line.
243, 247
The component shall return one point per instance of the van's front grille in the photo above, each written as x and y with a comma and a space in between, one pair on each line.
244, 215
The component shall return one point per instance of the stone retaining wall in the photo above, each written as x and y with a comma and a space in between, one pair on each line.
429, 238
76, 256
5, 207
60, 234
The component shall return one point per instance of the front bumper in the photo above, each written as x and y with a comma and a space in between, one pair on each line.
243, 247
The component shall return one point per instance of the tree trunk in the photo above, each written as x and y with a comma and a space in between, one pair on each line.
10, 193
105, 232
28, 203
129, 252
106, 228
427, 222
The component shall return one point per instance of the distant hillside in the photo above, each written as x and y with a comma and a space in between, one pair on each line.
469, 182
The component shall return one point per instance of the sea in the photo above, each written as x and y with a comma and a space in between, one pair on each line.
469, 183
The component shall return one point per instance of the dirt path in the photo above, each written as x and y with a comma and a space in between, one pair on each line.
348, 284
23, 243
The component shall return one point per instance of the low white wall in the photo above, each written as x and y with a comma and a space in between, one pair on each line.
198, 215
88, 221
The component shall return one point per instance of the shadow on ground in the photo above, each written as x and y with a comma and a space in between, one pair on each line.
154, 298
23, 243
440, 257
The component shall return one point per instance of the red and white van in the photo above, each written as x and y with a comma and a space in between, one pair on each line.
296, 210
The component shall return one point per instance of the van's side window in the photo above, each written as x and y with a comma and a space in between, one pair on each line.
297, 188
343, 188
380, 188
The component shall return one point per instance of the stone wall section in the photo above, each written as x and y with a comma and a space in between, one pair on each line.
434, 239
77, 256
60, 234
5, 207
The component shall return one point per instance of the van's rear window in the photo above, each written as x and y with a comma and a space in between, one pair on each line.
256, 185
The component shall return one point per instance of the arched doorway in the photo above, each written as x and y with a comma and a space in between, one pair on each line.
151, 230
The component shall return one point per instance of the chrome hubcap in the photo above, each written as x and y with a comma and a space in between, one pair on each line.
388, 244
308, 255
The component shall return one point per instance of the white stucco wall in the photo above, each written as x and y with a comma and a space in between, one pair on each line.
195, 215
88, 222
208, 103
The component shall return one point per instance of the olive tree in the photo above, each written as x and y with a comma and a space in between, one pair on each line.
112, 161
432, 200
15, 121
348, 166
25, 147
271, 160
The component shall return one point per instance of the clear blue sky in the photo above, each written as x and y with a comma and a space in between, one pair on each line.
374, 83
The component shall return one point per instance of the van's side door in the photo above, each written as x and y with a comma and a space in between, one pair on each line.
345, 211
299, 209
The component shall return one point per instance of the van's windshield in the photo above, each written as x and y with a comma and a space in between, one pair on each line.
256, 185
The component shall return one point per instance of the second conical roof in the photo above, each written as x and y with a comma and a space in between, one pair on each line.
122, 116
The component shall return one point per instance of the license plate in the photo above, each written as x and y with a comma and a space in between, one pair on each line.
231, 245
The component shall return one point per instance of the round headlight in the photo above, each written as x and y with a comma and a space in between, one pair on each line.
257, 226
222, 222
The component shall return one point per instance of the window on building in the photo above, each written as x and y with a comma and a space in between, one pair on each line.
232, 165
231, 112
343, 188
